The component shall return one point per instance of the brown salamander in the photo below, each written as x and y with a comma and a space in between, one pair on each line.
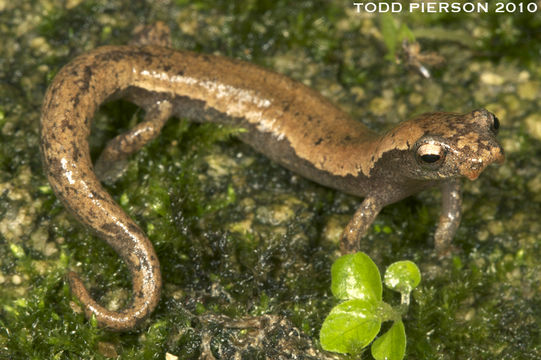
283, 119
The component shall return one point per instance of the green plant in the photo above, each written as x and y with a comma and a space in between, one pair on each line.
355, 322
393, 35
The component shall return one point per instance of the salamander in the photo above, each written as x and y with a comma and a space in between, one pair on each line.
285, 120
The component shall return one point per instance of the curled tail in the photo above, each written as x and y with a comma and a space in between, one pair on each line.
68, 109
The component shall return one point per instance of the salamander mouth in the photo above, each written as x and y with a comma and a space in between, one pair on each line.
474, 174
476, 167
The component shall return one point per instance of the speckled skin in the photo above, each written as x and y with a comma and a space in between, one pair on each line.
285, 120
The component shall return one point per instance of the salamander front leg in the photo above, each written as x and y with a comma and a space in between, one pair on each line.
449, 218
113, 160
359, 224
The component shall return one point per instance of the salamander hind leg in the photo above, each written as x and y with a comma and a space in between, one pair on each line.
359, 224
114, 158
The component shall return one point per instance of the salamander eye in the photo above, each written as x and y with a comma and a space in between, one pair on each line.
430, 154
430, 158
495, 123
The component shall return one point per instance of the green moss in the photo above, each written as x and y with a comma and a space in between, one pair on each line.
239, 236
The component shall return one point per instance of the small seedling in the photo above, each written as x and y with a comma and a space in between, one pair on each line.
393, 36
355, 322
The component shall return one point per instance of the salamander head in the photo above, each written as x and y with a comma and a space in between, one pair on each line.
449, 145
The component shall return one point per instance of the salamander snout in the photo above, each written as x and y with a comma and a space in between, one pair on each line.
479, 146
486, 155
455, 145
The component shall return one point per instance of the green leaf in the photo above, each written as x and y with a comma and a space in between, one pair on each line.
404, 33
350, 326
390, 34
355, 276
402, 276
391, 345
